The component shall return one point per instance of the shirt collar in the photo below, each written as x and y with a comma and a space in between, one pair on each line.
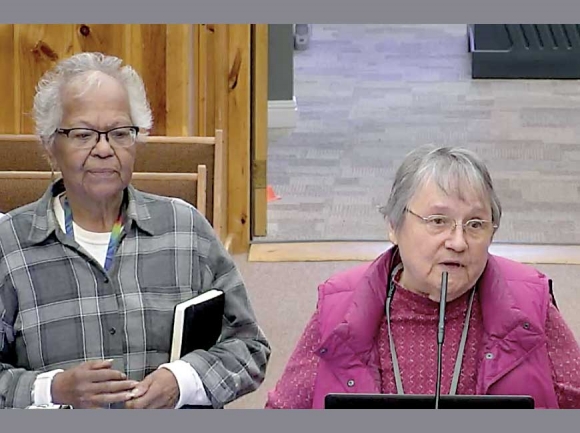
44, 221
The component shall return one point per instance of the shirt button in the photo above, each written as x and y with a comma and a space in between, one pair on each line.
526, 325
489, 355
350, 383
112, 331
323, 350
106, 280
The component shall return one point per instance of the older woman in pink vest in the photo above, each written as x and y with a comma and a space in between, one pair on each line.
503, 333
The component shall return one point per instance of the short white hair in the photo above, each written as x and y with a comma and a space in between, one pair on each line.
455, 170
48, 101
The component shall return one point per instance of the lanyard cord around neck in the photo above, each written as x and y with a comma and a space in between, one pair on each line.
114, 239
460, 350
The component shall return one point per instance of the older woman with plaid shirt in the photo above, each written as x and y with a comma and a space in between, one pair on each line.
90, 273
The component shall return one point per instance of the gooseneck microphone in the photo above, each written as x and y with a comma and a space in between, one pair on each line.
440, 336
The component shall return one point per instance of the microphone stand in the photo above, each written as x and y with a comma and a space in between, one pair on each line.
440, 336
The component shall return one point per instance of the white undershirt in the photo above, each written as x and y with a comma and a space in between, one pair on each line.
96, 244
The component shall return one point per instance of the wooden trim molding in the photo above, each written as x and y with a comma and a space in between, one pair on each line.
369, 250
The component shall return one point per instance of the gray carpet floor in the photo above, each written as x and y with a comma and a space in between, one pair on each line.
368, 94
284, 296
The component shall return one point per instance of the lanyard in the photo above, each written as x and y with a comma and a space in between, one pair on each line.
115, 232
460, 350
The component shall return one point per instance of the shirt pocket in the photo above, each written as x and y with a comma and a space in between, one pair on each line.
158, 311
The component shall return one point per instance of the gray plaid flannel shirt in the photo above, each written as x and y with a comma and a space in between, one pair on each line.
58, 306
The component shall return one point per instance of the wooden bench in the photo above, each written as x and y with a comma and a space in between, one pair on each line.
159, 154
18, 188
183, 155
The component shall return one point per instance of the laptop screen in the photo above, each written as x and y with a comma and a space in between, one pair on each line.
409, 401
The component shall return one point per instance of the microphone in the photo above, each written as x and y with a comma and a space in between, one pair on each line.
440, 336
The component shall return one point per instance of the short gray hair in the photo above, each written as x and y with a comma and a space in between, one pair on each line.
455, 170
48, 107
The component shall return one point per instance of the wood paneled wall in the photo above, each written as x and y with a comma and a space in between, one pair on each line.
161, 54
232, 94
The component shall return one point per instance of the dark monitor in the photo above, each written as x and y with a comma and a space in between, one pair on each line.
411, 401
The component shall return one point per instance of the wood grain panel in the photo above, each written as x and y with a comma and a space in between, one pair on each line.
105, 38
179, 79
38, 48
8, 88
148, 57
239, 134
259, 129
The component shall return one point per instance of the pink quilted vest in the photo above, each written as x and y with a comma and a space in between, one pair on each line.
514, 300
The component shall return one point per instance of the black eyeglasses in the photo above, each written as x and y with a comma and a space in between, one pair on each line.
122, 136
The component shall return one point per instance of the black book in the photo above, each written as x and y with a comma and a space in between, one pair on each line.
197, 323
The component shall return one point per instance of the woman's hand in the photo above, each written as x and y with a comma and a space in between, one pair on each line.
92, 384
